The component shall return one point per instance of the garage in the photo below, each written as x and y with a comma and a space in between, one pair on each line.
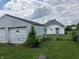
3, 35
18, 35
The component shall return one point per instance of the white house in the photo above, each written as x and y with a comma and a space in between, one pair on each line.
74, 27
16, 30
54, 27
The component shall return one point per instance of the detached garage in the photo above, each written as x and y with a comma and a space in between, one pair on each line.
15, 30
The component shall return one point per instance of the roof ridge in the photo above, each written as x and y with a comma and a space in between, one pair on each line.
50, 20
33, 22
54, 20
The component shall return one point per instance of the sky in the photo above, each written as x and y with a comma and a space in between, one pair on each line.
3, 2
65, 11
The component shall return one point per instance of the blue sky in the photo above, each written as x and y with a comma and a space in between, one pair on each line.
3, 2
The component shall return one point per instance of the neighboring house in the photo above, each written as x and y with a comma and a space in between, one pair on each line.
74, 27
16, 30
54, 27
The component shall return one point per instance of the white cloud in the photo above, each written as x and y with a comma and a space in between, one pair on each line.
65, 11
21, 7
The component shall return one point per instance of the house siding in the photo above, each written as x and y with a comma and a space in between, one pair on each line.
8, 22
52, 29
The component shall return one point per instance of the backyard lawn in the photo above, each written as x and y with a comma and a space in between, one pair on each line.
52, 49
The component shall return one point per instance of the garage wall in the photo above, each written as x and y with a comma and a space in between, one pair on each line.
40, 30
18, 35
7, 21
3, 35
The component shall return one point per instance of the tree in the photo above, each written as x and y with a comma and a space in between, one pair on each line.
32, 41
68, 28
75, 36
78, 26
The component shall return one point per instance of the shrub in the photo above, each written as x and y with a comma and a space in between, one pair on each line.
77, 26
68, 28
75, 38
74, 35
65, 32
46, 38
32, 41
60, 39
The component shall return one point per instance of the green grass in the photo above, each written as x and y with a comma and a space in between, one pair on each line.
63, 50
52, 50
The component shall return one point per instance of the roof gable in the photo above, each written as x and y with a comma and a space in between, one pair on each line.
54, 21
25, 20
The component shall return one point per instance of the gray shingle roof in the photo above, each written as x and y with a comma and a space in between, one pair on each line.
54, 21
25, 20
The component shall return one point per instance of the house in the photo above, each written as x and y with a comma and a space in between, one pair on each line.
16, 30
74, 27
54, 27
